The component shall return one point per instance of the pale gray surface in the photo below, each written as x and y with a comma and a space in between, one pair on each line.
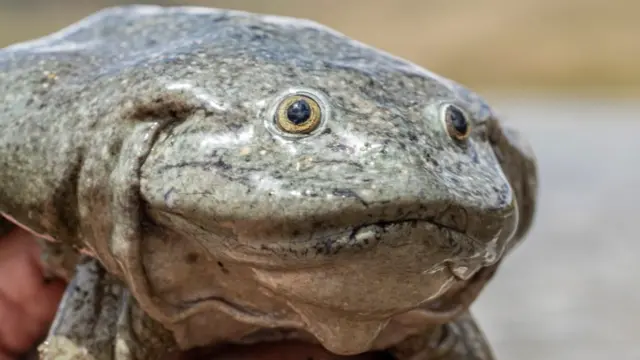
572, 290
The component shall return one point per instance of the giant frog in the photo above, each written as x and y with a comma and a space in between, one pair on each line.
206, 177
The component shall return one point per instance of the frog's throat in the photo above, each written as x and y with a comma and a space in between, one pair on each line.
347, 336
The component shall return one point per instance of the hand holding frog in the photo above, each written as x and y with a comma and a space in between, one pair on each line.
27, 302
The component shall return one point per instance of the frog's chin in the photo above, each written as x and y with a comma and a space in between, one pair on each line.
348, 334
385, 335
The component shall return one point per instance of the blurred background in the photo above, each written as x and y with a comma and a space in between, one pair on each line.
565, 72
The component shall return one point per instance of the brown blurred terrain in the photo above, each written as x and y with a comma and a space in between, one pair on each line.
548, 45
572, 290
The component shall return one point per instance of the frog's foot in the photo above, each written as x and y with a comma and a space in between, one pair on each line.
98, 320
461, 339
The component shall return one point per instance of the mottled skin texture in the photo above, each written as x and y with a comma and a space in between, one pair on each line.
145, 137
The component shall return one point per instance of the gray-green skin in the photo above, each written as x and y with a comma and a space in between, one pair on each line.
145, 138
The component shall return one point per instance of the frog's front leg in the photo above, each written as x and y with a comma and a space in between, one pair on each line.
139, 337
98, 320
460, 339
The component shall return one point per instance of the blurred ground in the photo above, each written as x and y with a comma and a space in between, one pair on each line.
581, 45
572, 290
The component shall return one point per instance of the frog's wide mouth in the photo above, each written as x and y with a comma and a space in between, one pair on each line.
361, 237
261, 243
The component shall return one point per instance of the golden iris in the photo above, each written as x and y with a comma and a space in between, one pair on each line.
298, 114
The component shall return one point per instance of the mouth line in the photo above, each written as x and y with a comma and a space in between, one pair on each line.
429, 220
303, 247
346, 240
355, 229
409, 221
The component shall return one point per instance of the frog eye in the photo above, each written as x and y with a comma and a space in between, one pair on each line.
458, 126
298, 114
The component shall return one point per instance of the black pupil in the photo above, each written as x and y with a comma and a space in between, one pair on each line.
299, 112
458, 121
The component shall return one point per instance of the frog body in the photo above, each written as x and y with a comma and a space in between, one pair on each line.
237, 177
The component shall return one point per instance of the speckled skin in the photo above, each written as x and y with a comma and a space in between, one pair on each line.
145, 137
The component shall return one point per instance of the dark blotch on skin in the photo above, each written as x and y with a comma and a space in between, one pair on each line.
224, 269
191, 258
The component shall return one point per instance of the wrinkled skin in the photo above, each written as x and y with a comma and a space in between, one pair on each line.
147, 139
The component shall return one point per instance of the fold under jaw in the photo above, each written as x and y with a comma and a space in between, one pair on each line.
345, 337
